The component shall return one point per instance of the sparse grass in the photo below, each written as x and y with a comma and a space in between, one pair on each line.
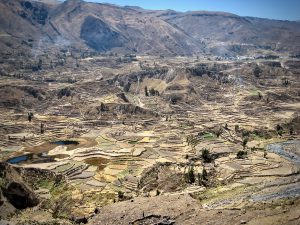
253, 92
219, 193
123, 173
208, 136
98, 161
257, 137
133, 142
45, 183
61, 201
99, 198
2, 183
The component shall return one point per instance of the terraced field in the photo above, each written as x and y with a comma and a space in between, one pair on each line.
163, 142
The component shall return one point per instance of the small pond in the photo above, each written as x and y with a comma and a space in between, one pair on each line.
18, 159
34, 158
66, 142
40, 155
31, 158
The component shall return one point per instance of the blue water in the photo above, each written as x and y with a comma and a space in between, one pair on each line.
66, 142
40, 157
18, 159
32, 158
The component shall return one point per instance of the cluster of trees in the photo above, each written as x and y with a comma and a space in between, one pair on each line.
280, 130
37, 66
202, 178
151, 92
64, 92
241, 154
192, 141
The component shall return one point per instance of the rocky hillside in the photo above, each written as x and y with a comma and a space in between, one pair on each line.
38, 25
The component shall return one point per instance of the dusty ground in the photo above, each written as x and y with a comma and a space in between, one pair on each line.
134, 146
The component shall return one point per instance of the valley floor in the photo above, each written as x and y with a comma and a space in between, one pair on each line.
153, 143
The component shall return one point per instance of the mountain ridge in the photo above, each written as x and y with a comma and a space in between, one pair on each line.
141, 31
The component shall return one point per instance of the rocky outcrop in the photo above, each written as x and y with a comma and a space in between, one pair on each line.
15, 191
20, 195
18, 186
98, 35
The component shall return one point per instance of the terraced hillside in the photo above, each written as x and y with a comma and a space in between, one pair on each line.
148, 140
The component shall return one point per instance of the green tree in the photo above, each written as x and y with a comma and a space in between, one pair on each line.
40, 64
236, 128
218, 132
146, 91
257, 71
30, 116
190, 176
226, 126
279, 130
204, 175
291, 131
154, 92
259, 95
206, 156
241, 154
245, 141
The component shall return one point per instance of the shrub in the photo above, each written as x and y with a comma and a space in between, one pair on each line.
245, 133
146, 91
190, 176
241, 154
218, 132
206, 156
61, 201
154, 92
204, 175
279, 130
245, 141
236, 128
259, 95
64, 92
120, 195
257, 71
226, 126
291, 131
30, 116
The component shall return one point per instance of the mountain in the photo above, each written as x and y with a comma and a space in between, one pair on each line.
45, 24
219, 29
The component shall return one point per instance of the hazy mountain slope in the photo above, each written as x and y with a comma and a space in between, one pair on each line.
124, 28
105, 27
229, 29
14, 22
